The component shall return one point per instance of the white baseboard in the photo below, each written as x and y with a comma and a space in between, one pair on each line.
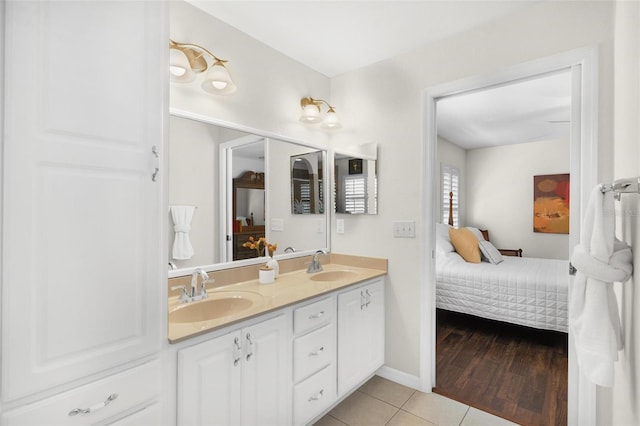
399, 377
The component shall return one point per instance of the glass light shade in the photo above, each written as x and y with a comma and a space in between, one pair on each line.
331, 121
179, 68
218, 80
310, 114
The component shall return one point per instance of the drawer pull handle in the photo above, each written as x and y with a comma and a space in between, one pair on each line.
317, 396
318, 352
94, 407
316, 316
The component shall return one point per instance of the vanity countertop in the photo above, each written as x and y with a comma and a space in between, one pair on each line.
288, 289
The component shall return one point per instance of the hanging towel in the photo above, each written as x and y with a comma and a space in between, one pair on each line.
182, 215
600, 260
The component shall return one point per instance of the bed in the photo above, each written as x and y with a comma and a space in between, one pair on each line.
527, 291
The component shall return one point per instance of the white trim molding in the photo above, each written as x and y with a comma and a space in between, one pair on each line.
584, 62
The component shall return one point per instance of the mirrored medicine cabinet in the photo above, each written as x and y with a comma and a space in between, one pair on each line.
356, 180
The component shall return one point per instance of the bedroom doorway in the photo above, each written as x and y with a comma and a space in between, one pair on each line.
582, 66
489, 355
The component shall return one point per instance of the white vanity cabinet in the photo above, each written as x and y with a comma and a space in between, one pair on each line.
360, 333
314, 359
240, 378
83, 268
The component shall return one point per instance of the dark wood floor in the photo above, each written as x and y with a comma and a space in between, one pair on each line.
515, 372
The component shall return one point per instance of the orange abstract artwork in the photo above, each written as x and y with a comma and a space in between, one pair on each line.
551, 204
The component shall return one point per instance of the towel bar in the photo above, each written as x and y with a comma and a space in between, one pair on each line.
623, 186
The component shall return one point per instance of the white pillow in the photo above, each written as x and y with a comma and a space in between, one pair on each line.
442, 231
443, 246
489, 252
443, 243
476, 232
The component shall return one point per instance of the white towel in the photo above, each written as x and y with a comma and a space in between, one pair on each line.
182, 215
600, 260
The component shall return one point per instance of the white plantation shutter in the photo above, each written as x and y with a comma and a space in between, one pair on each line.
355, 191
450, 178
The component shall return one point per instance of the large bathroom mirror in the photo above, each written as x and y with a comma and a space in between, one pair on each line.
233, 184
307, 196
356, 181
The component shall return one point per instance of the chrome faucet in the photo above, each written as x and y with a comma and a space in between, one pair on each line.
193, 289
315, 265
193, 294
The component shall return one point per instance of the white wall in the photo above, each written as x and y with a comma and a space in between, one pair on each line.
453, 155
393, 89
621, 405
270, 84
500, 194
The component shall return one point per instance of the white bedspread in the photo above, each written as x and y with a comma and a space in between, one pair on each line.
521, 290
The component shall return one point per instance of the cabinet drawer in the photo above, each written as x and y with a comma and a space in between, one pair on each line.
314, 395
313, 315
313, 351
133, 387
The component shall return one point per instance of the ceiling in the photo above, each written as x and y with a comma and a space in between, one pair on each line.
335, 37
526, 111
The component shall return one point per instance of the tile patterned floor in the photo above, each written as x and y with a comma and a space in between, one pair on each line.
381, 402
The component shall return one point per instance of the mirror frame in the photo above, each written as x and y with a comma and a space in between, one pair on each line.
226, 193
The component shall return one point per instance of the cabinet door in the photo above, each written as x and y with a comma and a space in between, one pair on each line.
360, 334
209, 382
82, 260
372, 349
350, 338
266, 373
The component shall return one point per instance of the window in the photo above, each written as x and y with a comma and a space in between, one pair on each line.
450, 181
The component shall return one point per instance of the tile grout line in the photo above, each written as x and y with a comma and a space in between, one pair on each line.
465, 415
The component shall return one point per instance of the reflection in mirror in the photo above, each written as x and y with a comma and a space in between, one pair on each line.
248, 212
204, 160
356, 183
307, 196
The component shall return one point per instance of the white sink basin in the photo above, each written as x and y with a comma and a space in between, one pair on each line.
217, 305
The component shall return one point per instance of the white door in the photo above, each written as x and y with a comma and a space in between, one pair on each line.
85, 85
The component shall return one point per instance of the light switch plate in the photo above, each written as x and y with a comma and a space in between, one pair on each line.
340, 226
404, 229
277, 224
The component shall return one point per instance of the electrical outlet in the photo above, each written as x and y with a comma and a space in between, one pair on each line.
339, 226
404, 229
320, 226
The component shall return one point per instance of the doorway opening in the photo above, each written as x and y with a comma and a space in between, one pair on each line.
582, 64
501, 328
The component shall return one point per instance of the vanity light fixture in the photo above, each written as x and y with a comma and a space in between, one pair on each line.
311, 113
186, 60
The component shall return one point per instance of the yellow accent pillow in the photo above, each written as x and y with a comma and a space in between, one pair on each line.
466, 244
